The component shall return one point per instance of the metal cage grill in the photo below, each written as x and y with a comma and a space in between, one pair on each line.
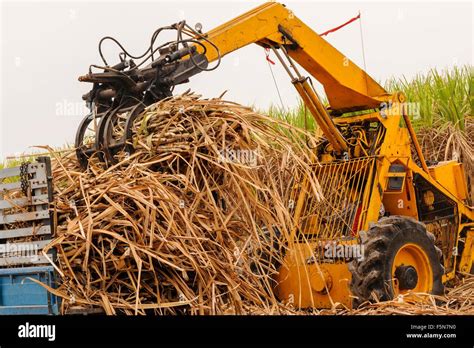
339, 213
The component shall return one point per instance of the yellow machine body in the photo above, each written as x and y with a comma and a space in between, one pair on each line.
372, 160
447, 178
451, 176
305, 283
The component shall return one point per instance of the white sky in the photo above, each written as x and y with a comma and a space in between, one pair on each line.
45, 46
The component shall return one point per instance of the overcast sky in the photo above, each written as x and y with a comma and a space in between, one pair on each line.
45, 46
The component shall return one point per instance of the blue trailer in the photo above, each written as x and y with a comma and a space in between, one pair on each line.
19, 294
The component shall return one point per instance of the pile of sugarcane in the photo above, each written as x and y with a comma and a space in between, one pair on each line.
445, 142
458, 300
195, 220
192, 222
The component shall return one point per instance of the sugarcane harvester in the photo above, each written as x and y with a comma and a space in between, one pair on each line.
412, 221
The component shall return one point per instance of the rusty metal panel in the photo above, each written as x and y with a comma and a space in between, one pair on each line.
23, 260
25, 218
15, 171
29, 216
25, 232
24, 201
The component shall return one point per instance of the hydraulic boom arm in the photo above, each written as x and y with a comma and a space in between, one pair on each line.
128, 87
273, 26
346, 85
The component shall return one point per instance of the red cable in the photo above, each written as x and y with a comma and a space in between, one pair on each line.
267, 50
341, 26
267, 55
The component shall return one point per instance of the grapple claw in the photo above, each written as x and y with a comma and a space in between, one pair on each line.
120, 94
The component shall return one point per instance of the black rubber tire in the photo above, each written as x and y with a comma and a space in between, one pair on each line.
371, 276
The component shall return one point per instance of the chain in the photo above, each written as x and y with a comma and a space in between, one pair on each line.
25, 185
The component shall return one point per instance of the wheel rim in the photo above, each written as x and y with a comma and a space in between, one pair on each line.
410, 258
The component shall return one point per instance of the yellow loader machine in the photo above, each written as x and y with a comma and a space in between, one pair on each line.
408, 224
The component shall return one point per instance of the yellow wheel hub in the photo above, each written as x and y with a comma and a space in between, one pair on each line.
411, 270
